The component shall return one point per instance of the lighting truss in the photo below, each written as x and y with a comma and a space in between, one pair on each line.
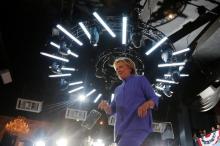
122, 26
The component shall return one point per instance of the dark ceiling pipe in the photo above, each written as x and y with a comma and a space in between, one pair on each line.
191, 26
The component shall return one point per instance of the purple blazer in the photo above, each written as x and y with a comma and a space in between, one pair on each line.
132, 93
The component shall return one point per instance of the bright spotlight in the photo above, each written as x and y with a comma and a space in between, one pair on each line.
181, 51
54, 57
101, 123
156, 46
98, 142
82, 98
85, 30
61, 142
104, 24
69, 34
170, 16
97, 98
124, 30
39, 143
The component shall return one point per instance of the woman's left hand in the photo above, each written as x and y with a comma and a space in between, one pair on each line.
142, 110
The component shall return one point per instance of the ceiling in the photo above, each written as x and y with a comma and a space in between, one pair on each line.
26, 31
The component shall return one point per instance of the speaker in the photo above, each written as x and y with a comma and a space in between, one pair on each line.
6, 76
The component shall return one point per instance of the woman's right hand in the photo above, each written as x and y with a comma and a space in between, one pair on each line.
103, 105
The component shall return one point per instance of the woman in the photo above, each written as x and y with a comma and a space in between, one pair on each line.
133, 102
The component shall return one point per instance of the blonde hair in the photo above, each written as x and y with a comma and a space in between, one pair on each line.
128, 62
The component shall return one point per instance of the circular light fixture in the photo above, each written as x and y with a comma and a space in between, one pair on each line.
94, 64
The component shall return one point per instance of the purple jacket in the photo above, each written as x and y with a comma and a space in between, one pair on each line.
132, 93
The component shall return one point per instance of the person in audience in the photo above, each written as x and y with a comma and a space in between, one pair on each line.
213, 129
195, 136
204, 132
201, 133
